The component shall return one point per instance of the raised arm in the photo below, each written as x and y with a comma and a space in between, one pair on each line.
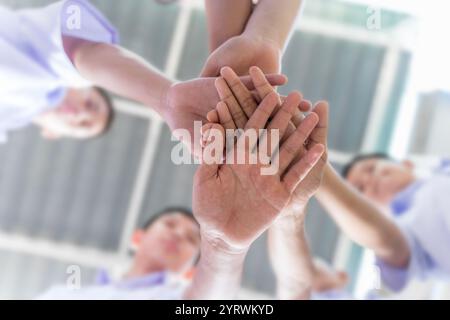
362, 221
119, 71
290, 257
226, 19
262, 42
274, 20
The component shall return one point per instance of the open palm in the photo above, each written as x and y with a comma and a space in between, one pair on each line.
235, 203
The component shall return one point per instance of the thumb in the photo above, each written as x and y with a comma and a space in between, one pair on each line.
213, 146
211, 68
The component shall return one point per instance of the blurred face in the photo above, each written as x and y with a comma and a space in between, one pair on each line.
380, 179
172, 241
83, 114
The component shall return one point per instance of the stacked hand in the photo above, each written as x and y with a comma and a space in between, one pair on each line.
235, 203
190, 101
238, 104
242, 52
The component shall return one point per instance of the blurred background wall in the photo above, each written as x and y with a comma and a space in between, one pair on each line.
64, 203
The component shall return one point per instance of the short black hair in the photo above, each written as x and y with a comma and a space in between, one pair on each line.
166, 211
375, 155
112, 114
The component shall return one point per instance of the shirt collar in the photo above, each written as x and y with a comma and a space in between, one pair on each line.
403, 201
444, 167
150, 280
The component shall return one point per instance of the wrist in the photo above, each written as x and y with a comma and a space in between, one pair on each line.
265, 35
327, 181
292, 215
290, 221
217, 255
164, 104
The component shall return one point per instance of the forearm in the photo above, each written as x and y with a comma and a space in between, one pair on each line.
274, 20
123, 73
226, 19
218, 275
361, 220
290, 258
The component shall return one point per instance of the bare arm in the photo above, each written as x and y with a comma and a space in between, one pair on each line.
274, 20
226, 19
260, 44
119, 71
218, 275
362, 221
290, 258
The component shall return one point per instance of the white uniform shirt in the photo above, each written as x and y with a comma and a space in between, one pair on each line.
34, 68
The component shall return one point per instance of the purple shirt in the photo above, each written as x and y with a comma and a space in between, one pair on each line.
422, 212
34, 68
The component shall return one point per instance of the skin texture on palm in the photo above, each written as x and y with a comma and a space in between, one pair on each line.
234, 203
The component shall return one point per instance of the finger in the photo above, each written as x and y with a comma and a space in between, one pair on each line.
213, 116
260, 82
263, 112
211, 69
320, 133
291, 127
240, 91
205, 131
297, 118
256, 97
210, 132
285, 113
226, 95
225, 118
294, 144
211, 162
305, 106
281, 121
272, 79
298, 172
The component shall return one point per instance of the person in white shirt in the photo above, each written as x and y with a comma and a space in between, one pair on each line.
38, 81
404, 219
